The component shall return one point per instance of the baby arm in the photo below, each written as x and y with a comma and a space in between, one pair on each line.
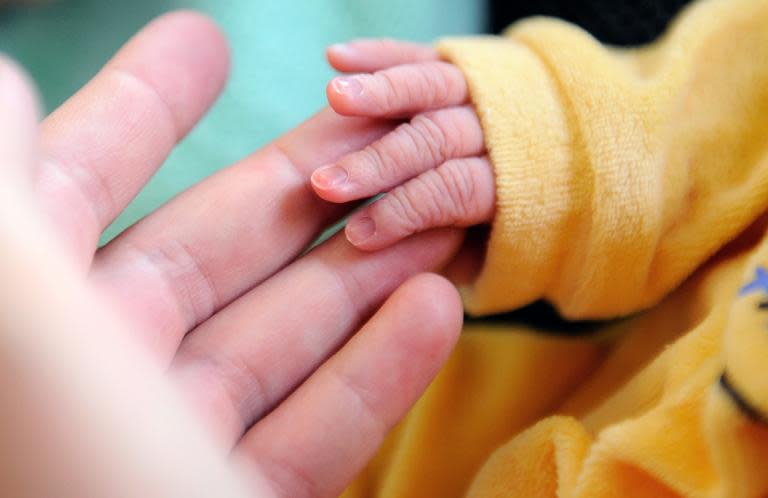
432, 168
617, 172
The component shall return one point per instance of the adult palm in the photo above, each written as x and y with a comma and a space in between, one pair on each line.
207, 303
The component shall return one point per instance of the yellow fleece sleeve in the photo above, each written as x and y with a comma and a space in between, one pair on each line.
619, 171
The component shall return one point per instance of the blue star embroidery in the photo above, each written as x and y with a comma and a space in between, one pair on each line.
759, 283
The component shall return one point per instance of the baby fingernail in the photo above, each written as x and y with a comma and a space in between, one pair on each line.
329, 176
359, 230
340, 49
348, 86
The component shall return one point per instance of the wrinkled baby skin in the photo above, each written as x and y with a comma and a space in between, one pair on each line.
433, 168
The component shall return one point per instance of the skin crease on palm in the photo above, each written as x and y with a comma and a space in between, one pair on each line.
200, 353
433, 167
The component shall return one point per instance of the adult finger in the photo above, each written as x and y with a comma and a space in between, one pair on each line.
424, 143
459, 193
468, 261
104, 143
369, 55
84, 411
398, 91
239, 364
18, 126
358, 395
228, 233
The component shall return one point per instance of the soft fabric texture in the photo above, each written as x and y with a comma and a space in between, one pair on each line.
631, 184
619, 171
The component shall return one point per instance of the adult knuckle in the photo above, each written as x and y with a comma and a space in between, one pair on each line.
285, 476
368, 413
187, 276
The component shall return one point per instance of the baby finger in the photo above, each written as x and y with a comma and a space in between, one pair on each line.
460, 192
399, 91
370, 55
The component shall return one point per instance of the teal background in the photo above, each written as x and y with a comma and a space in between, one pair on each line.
278, 67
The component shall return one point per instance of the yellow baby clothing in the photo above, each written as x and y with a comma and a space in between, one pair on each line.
632, 187
619, 171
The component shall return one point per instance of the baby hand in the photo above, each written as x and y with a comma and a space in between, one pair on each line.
433, 167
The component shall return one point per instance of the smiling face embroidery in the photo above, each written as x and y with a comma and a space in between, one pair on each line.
757, 284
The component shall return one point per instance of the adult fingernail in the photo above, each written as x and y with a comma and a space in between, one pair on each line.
359, 230
348, 86
329, 176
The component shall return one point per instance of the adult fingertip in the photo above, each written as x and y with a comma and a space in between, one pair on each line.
439, 306
19, 94
13, 76
19, 117
203, 33
180, 46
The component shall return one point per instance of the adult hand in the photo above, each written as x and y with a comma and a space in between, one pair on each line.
205, 303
